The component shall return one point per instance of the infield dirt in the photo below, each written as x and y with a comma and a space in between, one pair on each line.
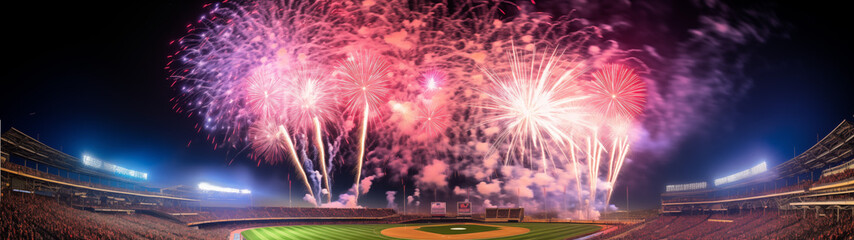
411, 233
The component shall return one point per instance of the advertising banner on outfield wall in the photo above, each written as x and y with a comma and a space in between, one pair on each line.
463, 209
437, 209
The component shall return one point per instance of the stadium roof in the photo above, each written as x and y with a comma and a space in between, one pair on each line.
18, 143
837, 146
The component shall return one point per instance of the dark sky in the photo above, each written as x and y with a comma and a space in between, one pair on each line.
88, 77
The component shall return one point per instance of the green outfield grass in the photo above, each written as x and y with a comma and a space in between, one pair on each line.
372, 231
446, 229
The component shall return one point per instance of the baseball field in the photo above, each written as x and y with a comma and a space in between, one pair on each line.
424, 231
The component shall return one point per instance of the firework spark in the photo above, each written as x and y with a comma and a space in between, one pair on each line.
365, 81
618, 94
366, 86
272, 141
433, 118
265, 93
313, 102
255, 72
312, 98
536, 103
433, 80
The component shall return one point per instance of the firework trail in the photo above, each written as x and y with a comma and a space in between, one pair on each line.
312, 104
266, 141
292, 151
271, 141
532, 106
366, 86
322, 157
618, 94
594, 159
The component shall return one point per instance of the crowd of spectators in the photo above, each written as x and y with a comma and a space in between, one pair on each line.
800, 186
756, 225
30, 216
666, 226
615, 231
215, 213
848, 173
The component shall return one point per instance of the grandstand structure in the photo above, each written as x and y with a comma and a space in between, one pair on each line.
33, 172
810, 196
816, 180
35, 167
504, 214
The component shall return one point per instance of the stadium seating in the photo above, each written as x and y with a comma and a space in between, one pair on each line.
33, 172
757, 225
222, 214
29, 216
845, 175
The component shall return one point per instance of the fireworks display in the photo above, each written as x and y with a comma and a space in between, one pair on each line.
547, 98
538, 103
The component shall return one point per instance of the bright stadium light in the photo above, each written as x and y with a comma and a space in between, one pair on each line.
92, 162
686, 187
208, 187
762, 167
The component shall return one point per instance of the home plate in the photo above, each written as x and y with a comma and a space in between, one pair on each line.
457, 229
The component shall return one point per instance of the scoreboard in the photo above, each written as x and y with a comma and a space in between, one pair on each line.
463, 209
437, 209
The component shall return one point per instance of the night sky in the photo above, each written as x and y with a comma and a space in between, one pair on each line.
87, 77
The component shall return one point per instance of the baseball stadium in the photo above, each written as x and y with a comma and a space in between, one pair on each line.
427, 119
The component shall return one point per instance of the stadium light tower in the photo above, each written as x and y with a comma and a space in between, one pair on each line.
208, 187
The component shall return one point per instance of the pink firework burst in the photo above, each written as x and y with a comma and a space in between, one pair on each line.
266, 141
433, 118
312, 95
266, 93
365, 81
433, 80
617, 92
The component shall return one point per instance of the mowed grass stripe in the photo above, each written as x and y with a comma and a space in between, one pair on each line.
318, 231
312, 231
331, 231
285, 232
337, 232
272, 233
341, 233
259, 233
250, 234
550, 230
306, 232
372, 231
369, 231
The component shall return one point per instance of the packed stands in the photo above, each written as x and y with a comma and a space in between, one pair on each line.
32, 172
615, 231
30, 216
236, 214
845, 175
47, 194
755, 225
